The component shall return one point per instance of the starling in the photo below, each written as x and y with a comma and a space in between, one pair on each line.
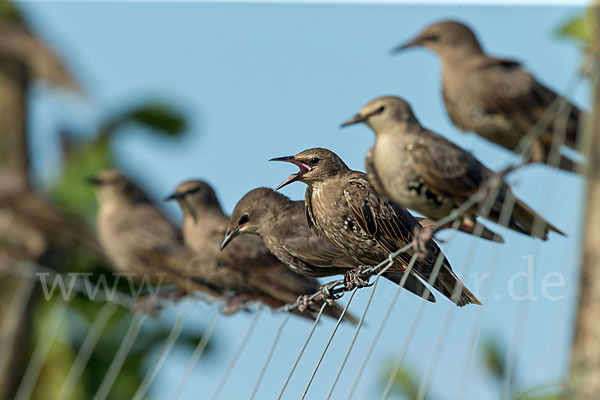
423, 171
494, 97
138, 239
281, 224
342, 206
246, 265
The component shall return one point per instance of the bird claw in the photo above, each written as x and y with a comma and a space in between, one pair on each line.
354, 278
314, 304
234, 304
421, 238
148, 304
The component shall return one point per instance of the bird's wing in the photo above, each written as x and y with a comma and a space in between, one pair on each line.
445, 168
510, 89
390, 225
319, 252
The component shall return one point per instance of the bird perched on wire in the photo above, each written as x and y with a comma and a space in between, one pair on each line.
497, 98
342, 206
421, 170
139, 240
281, 224
246, 266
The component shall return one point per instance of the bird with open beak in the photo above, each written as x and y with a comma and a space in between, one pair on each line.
421, 170
245, 268
281, 224
341, 205
497, 98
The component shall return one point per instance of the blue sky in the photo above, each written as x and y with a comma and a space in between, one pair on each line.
260, 81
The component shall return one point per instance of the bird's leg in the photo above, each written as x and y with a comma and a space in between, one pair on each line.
152, 303
421, 238
355, 278
236, 303
314, 304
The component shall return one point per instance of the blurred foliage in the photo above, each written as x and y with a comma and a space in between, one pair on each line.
9, 12
578, 28
405, 382
86, 159
72, 195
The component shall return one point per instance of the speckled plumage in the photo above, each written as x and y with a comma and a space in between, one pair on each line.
423, 171
282, 225
493, 97
342, 206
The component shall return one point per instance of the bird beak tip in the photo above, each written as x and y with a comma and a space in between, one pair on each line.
285, 158
170, 197
92, 180
228, 237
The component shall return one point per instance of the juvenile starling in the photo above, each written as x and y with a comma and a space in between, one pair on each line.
281, 224
246, 266
421, 170
138, 239
342, 206
493, 97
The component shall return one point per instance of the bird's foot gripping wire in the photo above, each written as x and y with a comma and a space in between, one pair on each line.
236, 303
357, 278
152, 303
421, 239
308, 302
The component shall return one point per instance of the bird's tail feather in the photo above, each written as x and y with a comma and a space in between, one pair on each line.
525, 218
445, 283
412, 284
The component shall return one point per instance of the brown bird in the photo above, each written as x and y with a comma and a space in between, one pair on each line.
421, 170
494, 97
246, 266
139, 240
281, 224
342, 206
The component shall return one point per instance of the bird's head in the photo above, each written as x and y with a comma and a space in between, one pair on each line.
315, 165
250, 213
194, 196
445, 38
383, 113
114, 185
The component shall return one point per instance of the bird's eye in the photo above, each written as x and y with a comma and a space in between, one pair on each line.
431, 38
380, 109
314, 161
243, 219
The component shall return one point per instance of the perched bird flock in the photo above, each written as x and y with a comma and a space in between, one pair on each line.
271, 249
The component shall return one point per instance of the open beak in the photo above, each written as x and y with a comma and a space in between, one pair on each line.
93, 180
294, 177
413, 43
354, 120
229, 237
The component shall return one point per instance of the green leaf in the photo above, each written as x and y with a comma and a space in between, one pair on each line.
72, 192
160, 117
8, 11
578, 28
405, 382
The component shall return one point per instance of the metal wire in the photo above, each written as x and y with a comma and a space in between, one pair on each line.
237, 354
85, 351
269, 356
167, 346
196, 355
40, 353
120, 357
337, 325
312, 330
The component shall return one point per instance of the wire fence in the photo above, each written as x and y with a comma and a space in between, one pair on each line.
557, 114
